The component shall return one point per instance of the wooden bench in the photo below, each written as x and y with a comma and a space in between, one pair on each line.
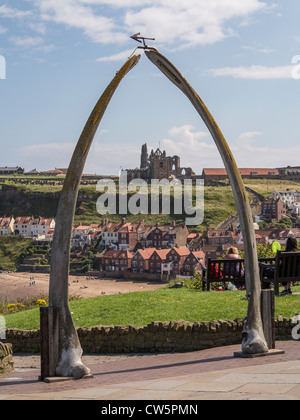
224, 271
286, 269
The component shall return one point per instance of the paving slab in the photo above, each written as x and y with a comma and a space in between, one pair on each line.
204, 375
261, 378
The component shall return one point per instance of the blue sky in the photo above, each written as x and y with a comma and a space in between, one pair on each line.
237, 54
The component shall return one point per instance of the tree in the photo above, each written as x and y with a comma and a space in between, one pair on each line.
284, 223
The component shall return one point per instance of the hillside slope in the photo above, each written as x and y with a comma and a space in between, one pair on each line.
43, 202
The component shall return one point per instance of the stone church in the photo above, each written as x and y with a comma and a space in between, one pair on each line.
159, 166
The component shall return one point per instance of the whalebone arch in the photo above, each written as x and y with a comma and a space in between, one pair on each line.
66, 355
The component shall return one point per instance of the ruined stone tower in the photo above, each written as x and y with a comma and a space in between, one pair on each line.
144, 157
158, 165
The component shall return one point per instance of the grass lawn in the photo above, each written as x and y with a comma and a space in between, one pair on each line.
141, 308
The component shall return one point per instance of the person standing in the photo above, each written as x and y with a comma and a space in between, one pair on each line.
291, 246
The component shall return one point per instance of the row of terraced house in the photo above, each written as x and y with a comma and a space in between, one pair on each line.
140, 248
130, 236
171, 261
27, 227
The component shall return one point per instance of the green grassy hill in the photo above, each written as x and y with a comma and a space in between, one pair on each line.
12, 252
42, 200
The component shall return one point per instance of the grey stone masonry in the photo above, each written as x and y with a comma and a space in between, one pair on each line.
157, 337
6, 358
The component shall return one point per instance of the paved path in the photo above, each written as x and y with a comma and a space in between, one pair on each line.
204, 375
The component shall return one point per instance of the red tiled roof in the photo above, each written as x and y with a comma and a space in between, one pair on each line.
5, 221
45, 222
198, 254
192, 235
118, 254
162, 253
55, 171
182, 251
217, 233
146, 253
111, 227
23, 220
243, 171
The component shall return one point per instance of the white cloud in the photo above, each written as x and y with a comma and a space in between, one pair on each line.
192, 22
48, 156
77, 15
254, 72
249, 155
250, 135
2, 30
186, 23
263, 50
105, 158
116, 57
11, 13
26, 42
38, 27
196, 148
41, 149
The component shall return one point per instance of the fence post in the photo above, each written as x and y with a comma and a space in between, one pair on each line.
49, 339
268, 317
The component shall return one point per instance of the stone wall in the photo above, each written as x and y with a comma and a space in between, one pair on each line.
157, 337
6, 358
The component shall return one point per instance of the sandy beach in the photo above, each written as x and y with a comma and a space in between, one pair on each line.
15, 286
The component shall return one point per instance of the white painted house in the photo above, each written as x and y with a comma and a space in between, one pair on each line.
22, 226
288, 197
41, 227
29, 227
